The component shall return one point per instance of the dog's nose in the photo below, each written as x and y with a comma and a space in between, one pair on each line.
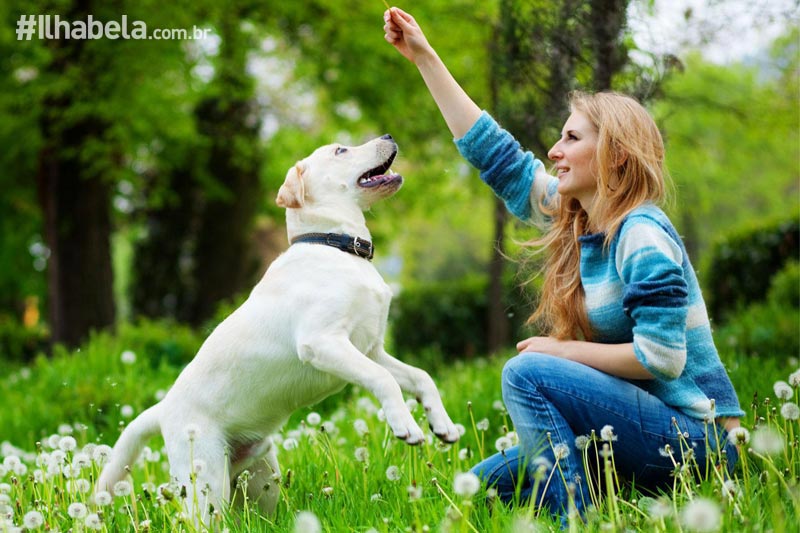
387, 137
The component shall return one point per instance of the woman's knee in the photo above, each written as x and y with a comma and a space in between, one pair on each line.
529, 369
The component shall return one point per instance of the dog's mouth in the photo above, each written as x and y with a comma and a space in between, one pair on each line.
380, 175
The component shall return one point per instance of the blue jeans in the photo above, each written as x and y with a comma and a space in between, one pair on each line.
552, 401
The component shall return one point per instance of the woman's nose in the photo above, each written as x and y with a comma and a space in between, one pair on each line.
555, 153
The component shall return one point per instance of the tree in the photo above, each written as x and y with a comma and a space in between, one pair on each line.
204, 198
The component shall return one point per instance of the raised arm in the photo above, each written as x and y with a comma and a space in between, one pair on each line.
457, 108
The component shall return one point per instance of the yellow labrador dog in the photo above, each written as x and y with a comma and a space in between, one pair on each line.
315, 322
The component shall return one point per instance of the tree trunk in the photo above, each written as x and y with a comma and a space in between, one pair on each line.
75, 198
608, 19
499, 330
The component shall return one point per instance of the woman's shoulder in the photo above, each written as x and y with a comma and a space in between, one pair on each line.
648, 227
648, 214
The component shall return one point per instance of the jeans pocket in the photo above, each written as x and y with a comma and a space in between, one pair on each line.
654, 476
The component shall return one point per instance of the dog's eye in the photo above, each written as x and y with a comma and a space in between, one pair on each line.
340, 150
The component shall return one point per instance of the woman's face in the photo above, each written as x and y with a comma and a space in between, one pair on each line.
574, 155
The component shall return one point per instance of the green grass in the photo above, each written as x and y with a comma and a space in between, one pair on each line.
88, 394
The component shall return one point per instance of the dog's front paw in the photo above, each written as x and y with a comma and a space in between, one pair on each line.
443, 427
403, 426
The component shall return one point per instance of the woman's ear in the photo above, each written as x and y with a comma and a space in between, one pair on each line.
292, 193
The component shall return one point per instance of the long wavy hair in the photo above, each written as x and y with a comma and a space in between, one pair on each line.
630, 171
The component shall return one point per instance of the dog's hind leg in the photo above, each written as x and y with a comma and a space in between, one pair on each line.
419, 383
200, 467
263, 478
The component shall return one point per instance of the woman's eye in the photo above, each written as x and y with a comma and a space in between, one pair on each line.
340, 150
572, 137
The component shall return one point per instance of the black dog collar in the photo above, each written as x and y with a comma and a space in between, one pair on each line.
346, 243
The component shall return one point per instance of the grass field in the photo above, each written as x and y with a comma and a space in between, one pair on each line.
342, 469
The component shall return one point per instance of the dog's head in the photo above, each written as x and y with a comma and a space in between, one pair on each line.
335, 175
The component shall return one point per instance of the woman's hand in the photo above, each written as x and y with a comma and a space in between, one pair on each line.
545, 345
615, 359
403, 32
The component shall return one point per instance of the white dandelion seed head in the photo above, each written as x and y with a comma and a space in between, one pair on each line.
414, 493
366, 404
126, 411
82, 460
327, 491
65, 429
199, 466
191, 431
461, 429
582, 442
57, 457
102, 498
766, 441
81, 485
731, 489
122, 488
307, 522
513, 436
393, 473
290, 444
101, 454
33, 520
790, 411
498, 405
483, 425
607, 434
794, 378
381, 415
5, 488
466, 484
93, 522
361, 427
11, 461
701, 515
4, 471
739, 436
502, 444
376, 497
128, 357
313, 419
659, 509
77, 510
362, 454
542, 462
464, 454
21, 469
412, 404
329, 428
782, 390
561, 451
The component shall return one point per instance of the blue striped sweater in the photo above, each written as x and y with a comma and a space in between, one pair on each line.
642, 289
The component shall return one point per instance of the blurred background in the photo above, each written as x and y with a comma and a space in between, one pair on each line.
138, 177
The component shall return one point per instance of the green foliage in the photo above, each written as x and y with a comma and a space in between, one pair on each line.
741, 266
449, 317
339, 474
87, 387
769, 328
19, 343
732, 144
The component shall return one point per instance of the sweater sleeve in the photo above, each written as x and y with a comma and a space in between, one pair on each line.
515, 175
655, 295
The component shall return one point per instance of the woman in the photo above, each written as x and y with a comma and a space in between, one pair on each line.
628, 354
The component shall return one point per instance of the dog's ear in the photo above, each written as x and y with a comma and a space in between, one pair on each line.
293, 192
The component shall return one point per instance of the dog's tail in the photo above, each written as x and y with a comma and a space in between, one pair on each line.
127, 448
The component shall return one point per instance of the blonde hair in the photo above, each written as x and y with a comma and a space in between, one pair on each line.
630, 163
